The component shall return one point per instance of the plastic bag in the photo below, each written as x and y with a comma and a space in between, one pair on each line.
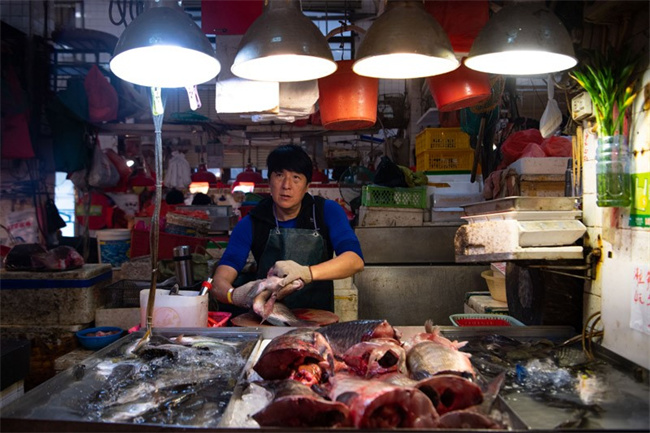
102, 97
103, 173
179, 173
514, 147
389, 174
552, 116
557, 146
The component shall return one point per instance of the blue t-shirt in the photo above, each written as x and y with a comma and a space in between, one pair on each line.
341, 234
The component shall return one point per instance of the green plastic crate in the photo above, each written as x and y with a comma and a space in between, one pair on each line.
381, 196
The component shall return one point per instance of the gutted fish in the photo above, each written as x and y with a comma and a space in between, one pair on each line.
449, 392
376, 356
432, 333
466, 419
281, 315
377, 404
296, 405
301, 354
429, 358
344, 335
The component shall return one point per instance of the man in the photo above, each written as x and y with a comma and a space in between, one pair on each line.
292, 235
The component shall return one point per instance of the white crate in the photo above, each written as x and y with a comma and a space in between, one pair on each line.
390, 217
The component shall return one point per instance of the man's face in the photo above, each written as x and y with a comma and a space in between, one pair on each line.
287, 189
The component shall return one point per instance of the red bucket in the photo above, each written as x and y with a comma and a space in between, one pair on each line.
347, 101
460, 88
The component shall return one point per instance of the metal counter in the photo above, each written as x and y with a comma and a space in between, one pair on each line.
530, 416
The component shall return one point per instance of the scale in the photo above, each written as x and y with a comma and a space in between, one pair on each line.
520, 228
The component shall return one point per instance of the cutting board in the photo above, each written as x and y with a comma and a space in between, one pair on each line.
319, 317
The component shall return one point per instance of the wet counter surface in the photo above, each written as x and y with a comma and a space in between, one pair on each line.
617, 399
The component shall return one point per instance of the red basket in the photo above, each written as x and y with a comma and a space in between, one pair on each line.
166, 243
482, 322
218, 319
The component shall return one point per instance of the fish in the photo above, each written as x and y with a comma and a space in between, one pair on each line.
429, 358
344, 335
432, 333
450, 392
376, 356
202, 341
285, 354
281, 315
296, 405
466, 419
266, 297
377, 404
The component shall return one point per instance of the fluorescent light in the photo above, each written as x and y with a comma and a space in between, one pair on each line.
522, 39
283, 45
163, 47
405, 42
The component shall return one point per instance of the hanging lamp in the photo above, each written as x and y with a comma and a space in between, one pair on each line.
249, 175
283, 45
522, 39
163, 47
405, 42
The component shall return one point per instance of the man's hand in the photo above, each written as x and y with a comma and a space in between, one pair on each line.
291, 271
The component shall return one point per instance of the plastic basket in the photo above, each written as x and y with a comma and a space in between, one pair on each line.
441, 139
464, 320
218, 319
380, 196
445, 160
126, 293
166, 243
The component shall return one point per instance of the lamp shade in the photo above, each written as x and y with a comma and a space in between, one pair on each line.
405, 42
522, 39
203, 175
249, 175
283, 45
163, 47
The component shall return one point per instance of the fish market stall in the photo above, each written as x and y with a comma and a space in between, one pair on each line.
206, 379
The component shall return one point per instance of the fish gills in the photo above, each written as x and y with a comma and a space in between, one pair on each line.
296, 405
428, 358
286, 353
376, 404
374, 357
449, 392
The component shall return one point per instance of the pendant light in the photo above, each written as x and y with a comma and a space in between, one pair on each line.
163, 47
283, 45
405, 42
522, 39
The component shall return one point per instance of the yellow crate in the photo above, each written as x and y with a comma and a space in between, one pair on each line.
445, 160
441, 139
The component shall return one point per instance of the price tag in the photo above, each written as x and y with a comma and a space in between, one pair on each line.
640, 312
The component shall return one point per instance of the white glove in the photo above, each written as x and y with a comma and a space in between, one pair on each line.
291, 271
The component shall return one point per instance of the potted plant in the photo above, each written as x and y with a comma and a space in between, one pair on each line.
609, 81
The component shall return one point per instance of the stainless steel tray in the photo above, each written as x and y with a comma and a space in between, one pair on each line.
507, 204
70, 396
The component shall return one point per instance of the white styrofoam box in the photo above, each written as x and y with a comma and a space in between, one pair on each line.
390, 217
548, 165
550, 233
452, 178
454, 188
443, 197
447, 214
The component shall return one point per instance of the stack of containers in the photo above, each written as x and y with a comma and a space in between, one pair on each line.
445, 155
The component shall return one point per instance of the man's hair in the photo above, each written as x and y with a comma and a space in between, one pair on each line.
292, 158
201, 199
174, 196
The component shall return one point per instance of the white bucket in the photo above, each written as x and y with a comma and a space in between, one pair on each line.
186, 310
113, 246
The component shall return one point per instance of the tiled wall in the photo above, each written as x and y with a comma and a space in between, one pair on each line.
625, 249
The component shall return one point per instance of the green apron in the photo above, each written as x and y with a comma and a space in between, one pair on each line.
304, 246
